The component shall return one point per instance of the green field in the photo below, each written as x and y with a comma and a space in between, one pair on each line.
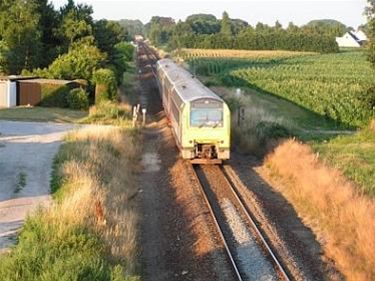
333, 85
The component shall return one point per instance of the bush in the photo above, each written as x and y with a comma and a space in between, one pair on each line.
77, 99
106, 86
54, 95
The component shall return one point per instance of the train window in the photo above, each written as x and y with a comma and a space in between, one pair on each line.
206, 117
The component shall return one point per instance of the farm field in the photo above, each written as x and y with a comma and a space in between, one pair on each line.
331, 85
320, 99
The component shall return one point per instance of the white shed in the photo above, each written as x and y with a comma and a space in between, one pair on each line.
8, 92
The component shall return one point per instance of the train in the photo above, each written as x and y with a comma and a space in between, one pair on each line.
200, 119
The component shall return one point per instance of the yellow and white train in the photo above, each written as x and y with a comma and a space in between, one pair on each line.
200, 119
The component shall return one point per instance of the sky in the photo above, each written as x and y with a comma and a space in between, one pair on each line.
349, 12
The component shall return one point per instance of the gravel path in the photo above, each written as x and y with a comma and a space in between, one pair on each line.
27, 150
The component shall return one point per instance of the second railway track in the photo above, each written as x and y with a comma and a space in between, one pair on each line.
247, 249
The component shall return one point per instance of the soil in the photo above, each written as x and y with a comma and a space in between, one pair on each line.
177, 239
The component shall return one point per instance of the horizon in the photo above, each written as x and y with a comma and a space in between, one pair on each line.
252, 11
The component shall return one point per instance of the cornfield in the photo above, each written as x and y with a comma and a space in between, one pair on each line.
187, 54
331, 85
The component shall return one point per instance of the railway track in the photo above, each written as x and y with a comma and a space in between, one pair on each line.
230, 215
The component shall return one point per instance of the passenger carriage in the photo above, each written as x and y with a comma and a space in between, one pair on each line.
199, 118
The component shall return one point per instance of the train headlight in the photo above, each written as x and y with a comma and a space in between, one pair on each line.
222, 142
190, 141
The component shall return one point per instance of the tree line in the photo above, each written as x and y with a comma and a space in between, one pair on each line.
207, 32
59, 43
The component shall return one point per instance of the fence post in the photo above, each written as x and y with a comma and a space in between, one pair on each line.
144, 116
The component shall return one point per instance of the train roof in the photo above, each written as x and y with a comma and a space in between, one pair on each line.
188, 87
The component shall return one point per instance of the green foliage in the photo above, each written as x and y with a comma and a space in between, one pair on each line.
107, 35
335, 86
3, 57
159, 30
370, 12
354, 155
326, 26
54, 95
45, 252
203, 24
108, 112
19, 30
79, 63
77, 99
225, 25
132, 28
106, 86
266, 131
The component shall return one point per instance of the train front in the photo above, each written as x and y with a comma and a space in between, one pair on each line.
208, 131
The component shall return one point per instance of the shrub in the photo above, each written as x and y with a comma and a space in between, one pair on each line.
54, 95
77, 99
106, 86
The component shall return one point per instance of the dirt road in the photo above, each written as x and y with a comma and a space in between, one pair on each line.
27, 150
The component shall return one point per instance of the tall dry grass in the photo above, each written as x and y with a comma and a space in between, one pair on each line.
372, 125
343, 219
100, 171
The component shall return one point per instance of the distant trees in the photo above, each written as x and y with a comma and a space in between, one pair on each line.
225, 26
132, 28
207, 32
159, 30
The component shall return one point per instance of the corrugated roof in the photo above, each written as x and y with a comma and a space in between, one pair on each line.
187, 85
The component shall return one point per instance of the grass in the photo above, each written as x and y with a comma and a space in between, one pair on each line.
43, 114
89, 232
354, 155
342, 218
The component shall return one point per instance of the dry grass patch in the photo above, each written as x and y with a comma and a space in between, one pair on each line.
341, 217
372, 125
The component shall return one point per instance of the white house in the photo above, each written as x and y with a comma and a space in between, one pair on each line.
352, 39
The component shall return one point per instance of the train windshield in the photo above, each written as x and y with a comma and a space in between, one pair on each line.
206, 113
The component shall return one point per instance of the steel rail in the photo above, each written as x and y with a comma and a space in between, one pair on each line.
245, 210
218, 228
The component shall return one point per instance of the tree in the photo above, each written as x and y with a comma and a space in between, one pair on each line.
203, 23
19, 29
180, 32
75, 23
48, 23
226, 28
370, 13
79, 63
132, 28
107, 34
